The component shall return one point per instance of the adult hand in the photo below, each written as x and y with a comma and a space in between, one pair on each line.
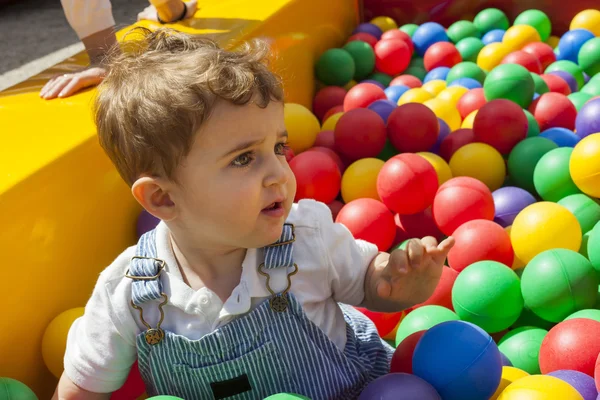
69, 84
151, 14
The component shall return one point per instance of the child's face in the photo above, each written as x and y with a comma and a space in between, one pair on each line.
236, 187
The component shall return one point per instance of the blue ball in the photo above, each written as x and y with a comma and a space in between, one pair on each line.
563, 137
469, 83
369, 28
493, 36
439, 73
570, 43
428, 34
535, 96
460, 360
383, 108
393, 93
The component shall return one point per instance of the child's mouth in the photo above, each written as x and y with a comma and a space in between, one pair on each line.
274, 209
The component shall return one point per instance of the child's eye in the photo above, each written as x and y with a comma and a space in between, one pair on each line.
243, 160
281, 148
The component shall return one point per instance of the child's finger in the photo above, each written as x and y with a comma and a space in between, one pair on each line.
398, 262
429, 242
57, 86
446, 244
415, 252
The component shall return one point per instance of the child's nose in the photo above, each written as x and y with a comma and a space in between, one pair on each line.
277, 173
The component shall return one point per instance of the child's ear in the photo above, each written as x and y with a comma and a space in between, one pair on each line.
152, 194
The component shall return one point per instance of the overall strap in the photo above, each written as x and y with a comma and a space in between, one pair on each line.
145, 270
280, 253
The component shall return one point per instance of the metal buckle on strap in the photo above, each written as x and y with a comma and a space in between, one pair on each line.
161, 267
278, 301
292, 240
153, 335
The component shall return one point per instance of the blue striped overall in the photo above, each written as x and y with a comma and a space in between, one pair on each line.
272, 349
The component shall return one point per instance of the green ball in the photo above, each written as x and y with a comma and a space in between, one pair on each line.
584, 208
388, 151
522, 348
579, 99
466, 69
551, 177
417, 62
533, 128
391, 343
570, 67
423, 318
488, 294
12, 389
509, 81
364, 58
540, 86
593, 248
380, 77
461, 30
529, 318
585, 238
400, 246
335, 67
409, 29
589, 56
286, 396
538, 20
589, 314
592, 88
469, 48
524, 157
558, 282
490, 19
416, 71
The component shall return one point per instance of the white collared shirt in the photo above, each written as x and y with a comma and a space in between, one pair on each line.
331, 269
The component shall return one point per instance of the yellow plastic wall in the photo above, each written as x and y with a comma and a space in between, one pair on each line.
64, 211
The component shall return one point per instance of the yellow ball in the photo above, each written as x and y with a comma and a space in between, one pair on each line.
540, 387
302, 127
509, 375
544, 226
587, 19
384, 23
517, 263
442, 169
480, 161
360, 179
331, 122
350, 84
584, 165
452, 94
434, 87
415, 95
553, 41
491, 55
54, 341
517, 36
445, 111
468, 122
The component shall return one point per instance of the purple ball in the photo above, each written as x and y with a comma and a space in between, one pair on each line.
444, 131
587, 121
583, 383
505, 361
369, 28
145, 223
399, 386
383, 108
570, 79
374, 82
510, 201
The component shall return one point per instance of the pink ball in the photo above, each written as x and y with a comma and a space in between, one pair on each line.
326, 98
473, 100
500, 123
392, 56
525, 59
362, 95
543, 52
407, 80
554, 110
399, 35
370, 220
407, 183
441, 54
360, 133
317, 176
412, 127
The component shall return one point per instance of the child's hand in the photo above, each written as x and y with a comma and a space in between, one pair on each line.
409, 277
69, 84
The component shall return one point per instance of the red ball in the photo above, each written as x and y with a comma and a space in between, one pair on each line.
360, 133
392, 56
459, 200
441, 54
133, 387
407, 183
403, 355
407, 80
362, 95
527, 60
572, 344
335, 207
455, 141
399, 35
289, 154
419, 225
384, 322
501, 124
554, 110
326, 98
333, 110
473, 100
317, 176
442, 296
365, 37
556, 84
370, 220
480, 240
412, 127
325, 139
334, 156
543, 52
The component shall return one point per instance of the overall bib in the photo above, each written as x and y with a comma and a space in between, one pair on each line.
272, 349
